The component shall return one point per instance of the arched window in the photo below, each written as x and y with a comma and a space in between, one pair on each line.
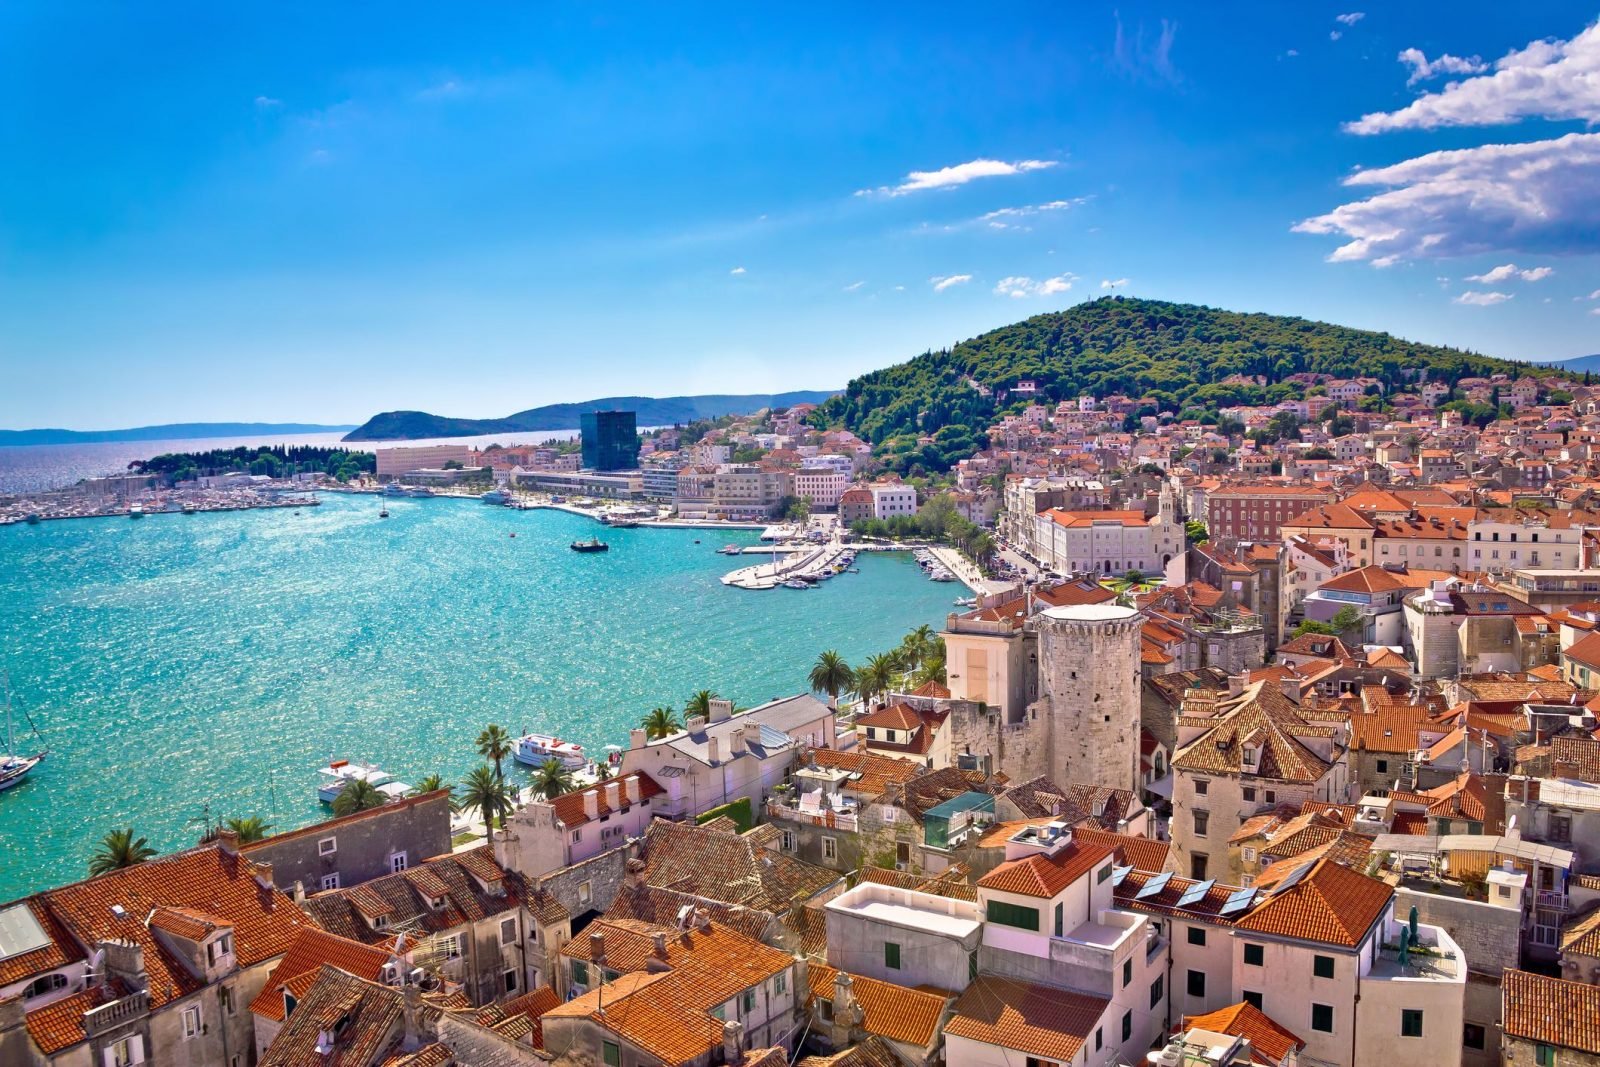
44, 985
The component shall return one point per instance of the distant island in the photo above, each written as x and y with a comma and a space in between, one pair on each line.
172, 431
1575, 365
652, 411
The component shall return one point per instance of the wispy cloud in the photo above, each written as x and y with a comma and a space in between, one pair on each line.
1480, 298
1020, 286
1508, 271
443, 90
958, 174
1113, 283
1535, 198
1002, 218
1423, 68
1350, 18
853, 286
737, 270
1142, 58
267, 103
1595, 295
941, 282
1555, 80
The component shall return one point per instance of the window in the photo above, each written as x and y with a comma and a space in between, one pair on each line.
747, 1003
1099, 1038
1560, 827
397, 862
1197, 866
1013, 915
191, 1022
1127, 1025
1254, 955
585, 892
1035, 1062
1322, 966
1250, 793
1127, 972
1383, 766
580, 973
1103, 873
1252, 998
45, 985
1248, 854
891, 955
786, 841
508, 931
830, 848
1544, 1056
330, 881
128, 1051
1197, 983
1158, 990
872, 734
1197, 935
511, 980
452, 946
1410, 1022
1473, 1036
327, 846
577, 835
780, 985
1322, 1018
611, 1052
1200, 787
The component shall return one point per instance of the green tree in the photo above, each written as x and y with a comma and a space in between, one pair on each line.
251, 828
551, 779
700, 704
119, 849
494, 745
431, 782
357, 795
876, 676
1195, 532
831, 675
484, 791
660, 722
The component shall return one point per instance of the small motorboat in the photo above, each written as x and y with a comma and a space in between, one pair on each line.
796, 583
535, 750
594, 544
340, 773
383, 512
730, 550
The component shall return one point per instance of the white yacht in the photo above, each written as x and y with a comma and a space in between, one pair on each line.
14, 766
340, 773
536, 750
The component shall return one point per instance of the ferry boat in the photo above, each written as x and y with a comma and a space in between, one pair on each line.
190, 509
14, 767
594, 544
535, 750
496, 496
340, 773
135, 511
394, 489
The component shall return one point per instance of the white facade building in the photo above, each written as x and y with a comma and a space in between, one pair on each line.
889, 501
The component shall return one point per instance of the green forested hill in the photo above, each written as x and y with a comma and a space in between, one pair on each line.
1176, 355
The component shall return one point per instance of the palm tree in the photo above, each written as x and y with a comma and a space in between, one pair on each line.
485, 791
494, 744
249, 829
832, 675
551, 779
603, 771
932, 668
430, 782
117, 850
876, 676
660, 722
358, 795
700, 704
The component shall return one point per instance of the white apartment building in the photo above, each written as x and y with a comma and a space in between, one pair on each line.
821, 485
894, 499
1506, 539
547, 835
393, 462
746, 491
1108, 542
831, 460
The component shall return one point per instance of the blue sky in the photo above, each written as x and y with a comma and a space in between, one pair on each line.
315, 212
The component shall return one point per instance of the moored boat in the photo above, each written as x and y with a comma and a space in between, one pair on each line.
496, 496
135, 511
14, 766
594, 544
340, 773
795, 583
730, 550
535, 750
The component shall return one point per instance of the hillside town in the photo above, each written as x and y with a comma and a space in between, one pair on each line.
1359, 635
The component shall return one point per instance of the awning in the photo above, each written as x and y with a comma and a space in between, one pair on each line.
1161, 787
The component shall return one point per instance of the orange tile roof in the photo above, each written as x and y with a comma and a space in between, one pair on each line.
893, 717
570, 810
892, 1012
1023, 1017
1044, 876
1551, 1011
60, 951
306, 956
59, 1024
209, 879
1270, 1042
1331, 904
877, 772
1143, 853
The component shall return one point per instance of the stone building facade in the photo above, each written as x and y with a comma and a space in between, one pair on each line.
343, 852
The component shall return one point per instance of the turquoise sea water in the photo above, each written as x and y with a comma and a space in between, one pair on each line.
180, 664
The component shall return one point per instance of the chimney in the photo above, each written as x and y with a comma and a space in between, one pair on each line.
1236, 684
633, 874
721, 709
228, 839
614, 794
591, 803
263, 873
632, 785
736, 744
752, 734
732, 1032
638, 738
1290, 687
411, 1013
695, 723
597, 952
802, 977
660, 939
299, 893
713, 751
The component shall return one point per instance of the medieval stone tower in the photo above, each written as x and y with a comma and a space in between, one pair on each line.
1089, 693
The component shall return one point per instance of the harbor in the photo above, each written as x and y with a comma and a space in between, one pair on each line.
74, 504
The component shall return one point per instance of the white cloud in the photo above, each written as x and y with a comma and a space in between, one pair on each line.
1334, 35
853, 286
1595, 295
1351, 18
1533, 198
1292, 52
443, 91
1594, 311
1113, 283
959, 174
1423, 68
1508, 271
1142, 58
1020, 286
941, 282
737, 270
266, 103
1556, 80
1477, 298
1032, 209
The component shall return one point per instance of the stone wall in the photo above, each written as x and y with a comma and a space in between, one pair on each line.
1090, 683
417, 826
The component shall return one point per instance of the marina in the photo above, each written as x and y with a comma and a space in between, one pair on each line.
183, 664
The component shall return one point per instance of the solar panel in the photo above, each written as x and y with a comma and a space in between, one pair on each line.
1237, 901
1294, 877
1154, 886
1196, 893
1118, 874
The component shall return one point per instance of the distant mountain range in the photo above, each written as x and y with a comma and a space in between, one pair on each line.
168, 432
1575, 365
651, 411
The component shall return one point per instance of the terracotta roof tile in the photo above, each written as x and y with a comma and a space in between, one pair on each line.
728, 868
1330, 903
59, 1024
60, 951
570, 809
311, 950
1044, 876
892, 1012
877, 772
1020, 1016
1551, 1011
1270, 1042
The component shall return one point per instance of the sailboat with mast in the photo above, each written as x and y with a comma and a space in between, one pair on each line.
14, 766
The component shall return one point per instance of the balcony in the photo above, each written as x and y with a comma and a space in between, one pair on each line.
827, 818
97, 1021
